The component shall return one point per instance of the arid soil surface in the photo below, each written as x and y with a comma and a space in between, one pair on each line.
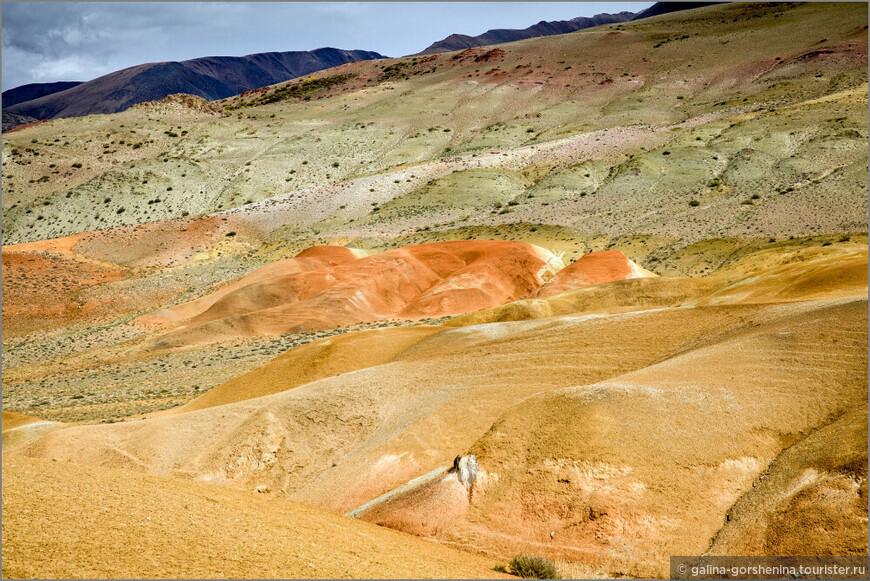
625, 268
71, 521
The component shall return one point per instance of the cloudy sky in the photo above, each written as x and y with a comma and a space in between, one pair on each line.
79, 41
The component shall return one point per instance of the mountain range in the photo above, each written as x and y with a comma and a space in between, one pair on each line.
214, 77
542, 28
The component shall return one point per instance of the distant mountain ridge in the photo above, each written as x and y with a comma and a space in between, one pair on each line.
543, 28
660, 8
35, 91
213, 77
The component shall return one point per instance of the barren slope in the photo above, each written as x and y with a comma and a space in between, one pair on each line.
68, 521
621, 474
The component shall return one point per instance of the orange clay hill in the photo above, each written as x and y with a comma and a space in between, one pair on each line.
593, 268
329, 287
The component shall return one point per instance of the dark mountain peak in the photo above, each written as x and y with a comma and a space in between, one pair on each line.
35, 91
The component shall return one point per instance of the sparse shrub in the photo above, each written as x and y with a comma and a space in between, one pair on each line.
77, 165
694, 203
755, 197
533, 568
335, 164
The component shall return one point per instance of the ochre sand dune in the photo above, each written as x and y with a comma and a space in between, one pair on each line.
628, 428
71, 521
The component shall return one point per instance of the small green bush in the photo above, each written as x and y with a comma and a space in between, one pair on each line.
533, 568
77, 165
694, 203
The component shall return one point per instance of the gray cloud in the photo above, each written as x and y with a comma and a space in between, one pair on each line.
44, 42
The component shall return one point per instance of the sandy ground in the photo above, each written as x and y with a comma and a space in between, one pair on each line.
70, 521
